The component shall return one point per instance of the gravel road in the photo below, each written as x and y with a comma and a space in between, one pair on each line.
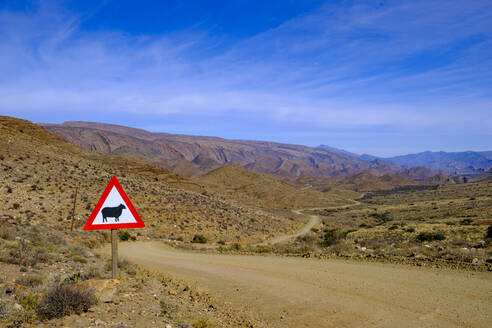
297, 292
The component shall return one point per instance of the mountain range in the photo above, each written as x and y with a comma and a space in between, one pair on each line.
194, 156
451, 163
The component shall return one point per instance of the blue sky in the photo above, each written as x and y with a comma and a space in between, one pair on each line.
379, 77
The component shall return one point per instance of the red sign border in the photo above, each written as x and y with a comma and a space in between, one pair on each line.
114, 183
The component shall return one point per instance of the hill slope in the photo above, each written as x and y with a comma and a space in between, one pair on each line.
194, 156
39, 172
253, 189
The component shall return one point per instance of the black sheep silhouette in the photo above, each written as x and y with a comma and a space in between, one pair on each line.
112, 212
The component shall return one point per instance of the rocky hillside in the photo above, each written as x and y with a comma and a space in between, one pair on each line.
195, 156
360, 182
39, 173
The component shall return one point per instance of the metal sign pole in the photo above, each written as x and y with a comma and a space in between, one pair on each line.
114, 252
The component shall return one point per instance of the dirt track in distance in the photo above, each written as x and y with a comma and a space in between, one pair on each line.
296, 292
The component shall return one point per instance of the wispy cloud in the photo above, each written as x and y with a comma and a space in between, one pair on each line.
408, 65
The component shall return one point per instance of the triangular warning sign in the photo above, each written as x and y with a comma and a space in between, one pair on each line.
114, 210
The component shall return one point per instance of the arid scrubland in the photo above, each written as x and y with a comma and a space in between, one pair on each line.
230, 210
445, 225
39, 256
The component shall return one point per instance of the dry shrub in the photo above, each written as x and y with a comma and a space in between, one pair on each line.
341, 248
25, 254
374, 243
6, 233
123, 265
4, 309
203, 323
30, 280
64, 299
80, 259
332, 236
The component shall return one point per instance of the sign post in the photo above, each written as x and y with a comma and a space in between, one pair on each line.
114, 211
114, 253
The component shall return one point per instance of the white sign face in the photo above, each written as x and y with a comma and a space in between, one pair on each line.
114, 210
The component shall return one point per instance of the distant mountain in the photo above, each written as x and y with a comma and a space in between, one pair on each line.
368, 158
468, 162
326, 147
196, 155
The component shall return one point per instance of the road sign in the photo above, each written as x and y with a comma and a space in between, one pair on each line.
114, 210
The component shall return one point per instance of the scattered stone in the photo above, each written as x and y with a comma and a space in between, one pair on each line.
17, 306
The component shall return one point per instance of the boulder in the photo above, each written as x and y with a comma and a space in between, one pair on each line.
104, 289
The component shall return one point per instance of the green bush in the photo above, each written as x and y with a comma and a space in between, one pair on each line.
199, 239
430, 236
29, 302
64, 299
124, 235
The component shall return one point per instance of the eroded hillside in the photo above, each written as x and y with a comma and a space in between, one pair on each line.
194, 156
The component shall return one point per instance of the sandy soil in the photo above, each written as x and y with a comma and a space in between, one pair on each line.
296, 292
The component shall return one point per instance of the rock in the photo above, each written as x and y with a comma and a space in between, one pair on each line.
169, 326
17, 306
67, 321
363, 249
185, 325
173, 293
475, 261
91, 309
104, 289
99, 322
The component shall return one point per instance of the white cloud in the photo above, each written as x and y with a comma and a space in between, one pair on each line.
337, 67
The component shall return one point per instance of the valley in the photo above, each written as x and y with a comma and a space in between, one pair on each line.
234, 247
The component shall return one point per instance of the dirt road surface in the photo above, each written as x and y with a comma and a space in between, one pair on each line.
313, 221
296, 292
